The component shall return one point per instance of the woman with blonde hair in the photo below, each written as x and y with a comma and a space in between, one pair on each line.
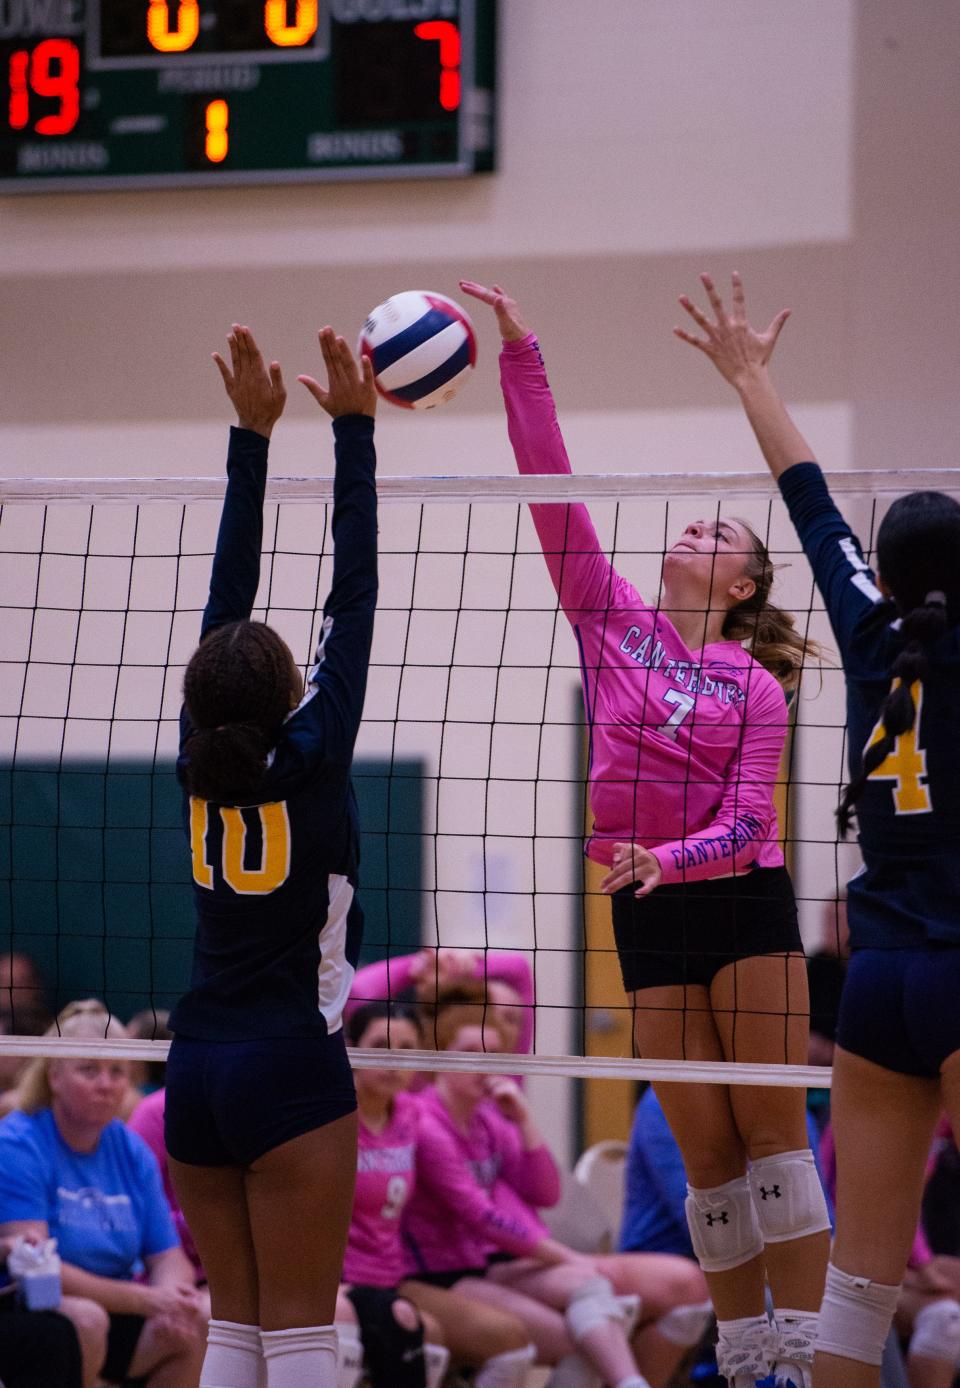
71, 1170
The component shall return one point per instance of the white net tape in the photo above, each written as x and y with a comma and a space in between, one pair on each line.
474, 684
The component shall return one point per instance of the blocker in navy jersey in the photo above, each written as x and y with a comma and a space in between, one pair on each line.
278, 923
422, 346
909, 811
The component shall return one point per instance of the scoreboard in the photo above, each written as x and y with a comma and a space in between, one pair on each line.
101, 94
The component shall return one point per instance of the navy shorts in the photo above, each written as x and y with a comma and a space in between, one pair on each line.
229, 1102
686, 932
899, 1007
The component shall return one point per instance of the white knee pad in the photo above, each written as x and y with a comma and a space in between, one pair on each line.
724, 1229
349, 1355
436, 1358
936, 1331
788, 1196
591, 1305
855, 1316
686, 1325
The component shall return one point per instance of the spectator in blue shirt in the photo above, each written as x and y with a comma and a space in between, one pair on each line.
71, 1170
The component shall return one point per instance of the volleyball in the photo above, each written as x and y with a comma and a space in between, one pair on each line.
423, 348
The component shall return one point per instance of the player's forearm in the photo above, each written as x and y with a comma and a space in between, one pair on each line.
116, 1296
781, 442
235, 576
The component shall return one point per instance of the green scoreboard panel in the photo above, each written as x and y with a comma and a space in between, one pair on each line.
167, 93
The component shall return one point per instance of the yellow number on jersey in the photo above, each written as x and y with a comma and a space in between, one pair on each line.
274, 866
906, 763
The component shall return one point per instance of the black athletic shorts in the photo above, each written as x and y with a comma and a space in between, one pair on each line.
229, 1102
686, 932
899, 1007
122, 1340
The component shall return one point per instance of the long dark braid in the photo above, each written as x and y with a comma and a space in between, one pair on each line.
238, 689
918, 558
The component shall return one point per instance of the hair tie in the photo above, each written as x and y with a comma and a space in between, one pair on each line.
935, 599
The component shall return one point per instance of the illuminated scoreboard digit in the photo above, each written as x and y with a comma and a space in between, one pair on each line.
153, 93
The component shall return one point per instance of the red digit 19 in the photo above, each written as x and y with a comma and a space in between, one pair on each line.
51, 70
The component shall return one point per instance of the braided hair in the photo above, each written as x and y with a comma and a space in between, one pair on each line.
239, 687
918, 560
775, 642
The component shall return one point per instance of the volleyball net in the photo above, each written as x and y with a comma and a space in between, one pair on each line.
470, 765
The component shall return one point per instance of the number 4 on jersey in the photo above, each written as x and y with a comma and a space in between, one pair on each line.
906, 763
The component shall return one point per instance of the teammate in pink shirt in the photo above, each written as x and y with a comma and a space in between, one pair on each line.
687, 729
505, 974
482, 1167
394, 1312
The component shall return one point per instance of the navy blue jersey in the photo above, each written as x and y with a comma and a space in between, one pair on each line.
909, 811
278, 924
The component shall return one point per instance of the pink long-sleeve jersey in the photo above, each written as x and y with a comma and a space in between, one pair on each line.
386, 1169
474, 1190
389, 978
684, 746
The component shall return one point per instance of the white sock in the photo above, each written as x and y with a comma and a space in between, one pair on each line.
686, 1325
506, 1370
233, 1358
634, 1381
573, 1371
436, 1357
305, 1357
349, 1354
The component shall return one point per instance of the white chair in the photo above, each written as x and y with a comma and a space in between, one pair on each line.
601, 1172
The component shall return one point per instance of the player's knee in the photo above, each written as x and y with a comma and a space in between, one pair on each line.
682, 1284
501, 1332
936, 1331
723, 1223
92, 1324
345, 1314
408, 1318
788, 1196
855, 1316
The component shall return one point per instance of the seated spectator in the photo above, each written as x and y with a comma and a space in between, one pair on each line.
482, 1168
49, 1349
24, 1010
655, 1186
492, 1341
505, 975
147, 1122
71, 1170
147, 1076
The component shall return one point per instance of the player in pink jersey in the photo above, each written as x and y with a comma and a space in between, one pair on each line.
505, 974
687, 729
482, 1168
374, 1265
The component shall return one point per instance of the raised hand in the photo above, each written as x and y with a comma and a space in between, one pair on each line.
258, 393
632, 863
511, 325
350, 387
732, 345
509, 1098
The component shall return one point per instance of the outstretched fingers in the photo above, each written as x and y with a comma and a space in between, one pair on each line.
480, 291
716, 303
